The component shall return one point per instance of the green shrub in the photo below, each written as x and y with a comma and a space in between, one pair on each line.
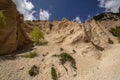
37, 35
64, 57
2, 19
53, 73
116, 31
33, 71
30, 55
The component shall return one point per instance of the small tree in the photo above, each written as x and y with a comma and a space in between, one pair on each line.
2, 19
37, 35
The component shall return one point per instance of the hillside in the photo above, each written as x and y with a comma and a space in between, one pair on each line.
70, 50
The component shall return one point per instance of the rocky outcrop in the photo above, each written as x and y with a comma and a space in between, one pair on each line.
12, 35
72, 33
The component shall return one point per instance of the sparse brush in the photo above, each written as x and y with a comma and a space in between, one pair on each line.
64, 57
33, 71
116, 32
2, 19
37, 35
53, 73
30, 55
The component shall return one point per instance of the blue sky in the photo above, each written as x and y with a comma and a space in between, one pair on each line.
68, 8
71, 9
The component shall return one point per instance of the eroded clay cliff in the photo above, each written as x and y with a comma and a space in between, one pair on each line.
12, 35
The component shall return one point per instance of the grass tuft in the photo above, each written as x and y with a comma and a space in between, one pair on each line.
30, 55
116, 32
53, 73
2, 19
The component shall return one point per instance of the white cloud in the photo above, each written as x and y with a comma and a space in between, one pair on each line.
44, 14
25, 7
110, 5
89, 17
77, 19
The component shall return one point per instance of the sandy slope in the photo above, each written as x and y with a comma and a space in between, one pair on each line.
88, 66
109, 65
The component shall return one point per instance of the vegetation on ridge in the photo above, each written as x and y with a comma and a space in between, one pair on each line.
99, 17
107, 15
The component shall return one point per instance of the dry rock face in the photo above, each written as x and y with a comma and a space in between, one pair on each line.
90, 44
70, 32
12, 35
